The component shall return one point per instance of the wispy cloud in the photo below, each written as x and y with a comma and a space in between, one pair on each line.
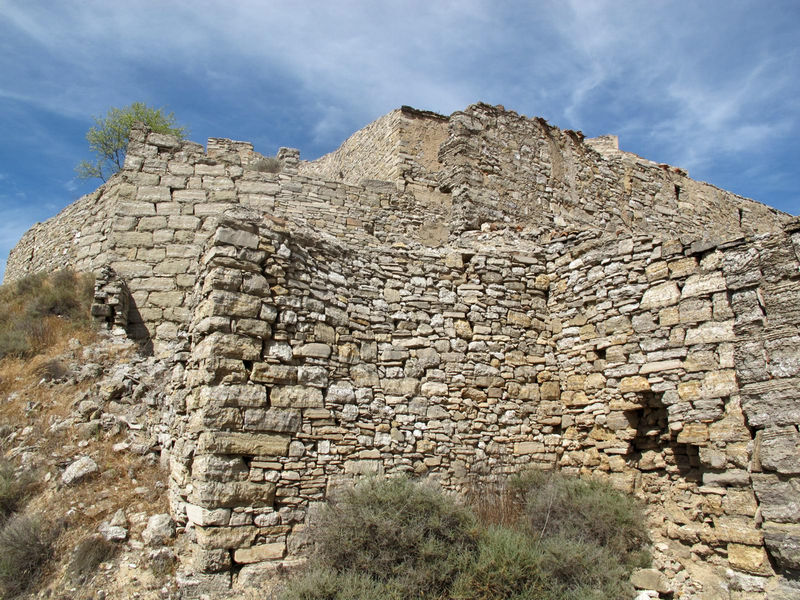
693, 84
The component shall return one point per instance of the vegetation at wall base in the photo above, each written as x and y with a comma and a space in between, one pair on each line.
396, 538
39, 310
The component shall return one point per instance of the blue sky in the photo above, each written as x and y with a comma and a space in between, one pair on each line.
710, 86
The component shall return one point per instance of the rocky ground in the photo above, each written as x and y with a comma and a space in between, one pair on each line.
77, 421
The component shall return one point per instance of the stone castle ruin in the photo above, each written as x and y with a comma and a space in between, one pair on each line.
460, 298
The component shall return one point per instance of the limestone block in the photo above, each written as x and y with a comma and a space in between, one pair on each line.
661, 295
518, 319
682, 267
313, 350
236, 237
703, 284
407, 387
205, 517
272, 419
313, 376
550, 390
523, 448
434, 388
711, 332
783, 544
660, 366
717, 384
364, 375
731, 477
229, 304
225, 537
146, 193
259, 553
252, 327
693, 433
246, 444
772, 402
78, 470
694, 310
274, 373
657, 270
296, 396
135, 209
230, 494
463, 329
166, 299
215, 417
210, 560
784, 356
340, 393
634, 383
228, 345
751, 559
233, 395
192, 196
650, 579
778, 449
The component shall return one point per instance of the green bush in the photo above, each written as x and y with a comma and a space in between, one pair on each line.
550, 537
25, 547
29, 308
397, 533
581, 509
327, 584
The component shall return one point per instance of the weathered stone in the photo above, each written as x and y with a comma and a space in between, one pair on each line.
650, 579
272, 419
751, 559
259, 553
661, 295
215, 494
634, 384
315, 350
295, 396
160, 529
226, 537
243, 443
79, 470
779, 449
703, 284
783, 544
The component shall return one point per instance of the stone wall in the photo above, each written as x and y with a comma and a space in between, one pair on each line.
400, 146
519, 298
504, 167
314, 362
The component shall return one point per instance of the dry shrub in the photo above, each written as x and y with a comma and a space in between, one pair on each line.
268, 164
26, 544
87, 556
398, 535
38, 310
15, 488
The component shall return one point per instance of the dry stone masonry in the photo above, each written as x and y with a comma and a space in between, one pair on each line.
460, 298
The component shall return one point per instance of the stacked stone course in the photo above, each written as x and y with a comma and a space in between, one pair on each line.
524, 299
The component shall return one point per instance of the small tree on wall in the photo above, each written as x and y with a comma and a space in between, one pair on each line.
108, 139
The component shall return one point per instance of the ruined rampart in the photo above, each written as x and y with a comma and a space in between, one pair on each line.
525, 299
